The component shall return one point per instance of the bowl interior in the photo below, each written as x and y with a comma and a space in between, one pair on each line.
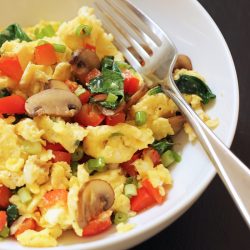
195, 34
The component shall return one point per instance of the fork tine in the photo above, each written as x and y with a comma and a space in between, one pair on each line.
121, 25
120, 41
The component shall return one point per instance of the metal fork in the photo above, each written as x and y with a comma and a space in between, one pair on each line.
132, 28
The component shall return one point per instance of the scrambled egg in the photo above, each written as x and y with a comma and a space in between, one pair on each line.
116, 144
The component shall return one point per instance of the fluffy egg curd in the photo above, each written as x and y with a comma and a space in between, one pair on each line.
84, 142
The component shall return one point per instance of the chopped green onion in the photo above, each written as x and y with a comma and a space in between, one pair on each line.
111, 98
120, 217
177, 156
140, 118
97, 164
60, 48
155, 90
47, 31
24, 195
80, 90
78, 154
83, 30
74, 167
5, 232
130, 190
132, 180
168, 158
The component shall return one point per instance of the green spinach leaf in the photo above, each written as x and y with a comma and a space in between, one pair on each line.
12, 32
12, 213
193, 85
163, 145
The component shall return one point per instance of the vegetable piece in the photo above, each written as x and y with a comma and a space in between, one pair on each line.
97, 164
154, 192
153, 154
193, 85
46, 31
45, 55
128, 166
162, 145
120, 217
102, 198
155, 90
5, 232
140, 118
11, 67
24, 195
82, 62
142, 200
12, 32
53, 197
130, 190
99, 98
111, 98
92, 74
84, 97
89, 116
3, 220
54, 102
97, 226
177, 123
170, 157
12, 214
27, 224
13, 104
90, 47
131, 85
54, 146
5, 195
111, 81
78, 154
62, 156
60, 48
74, 167
56, 84
83, 30
71, 85
132, 180
4, 92
115, 119
183, 62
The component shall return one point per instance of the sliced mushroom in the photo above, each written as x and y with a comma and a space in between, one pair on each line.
177, 123
183, 62
95, 197
56, 84
54, 102
83, 61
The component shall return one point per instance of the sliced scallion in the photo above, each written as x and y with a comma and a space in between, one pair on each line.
78, 154
97, 164
130, 190
140, 118
83, 30
120, 217
5, 232
111, 98
167, 158
60, 48
80, 90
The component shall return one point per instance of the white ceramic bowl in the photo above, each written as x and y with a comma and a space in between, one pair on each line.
195, 34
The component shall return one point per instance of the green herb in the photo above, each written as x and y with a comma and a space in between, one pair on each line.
74, 167
4, 92
60, 48
12, 32
78, 154
140, 118
163, 145
46, 31
120, 217
109, 82
12, 214
155, 90
83, 30
193, 85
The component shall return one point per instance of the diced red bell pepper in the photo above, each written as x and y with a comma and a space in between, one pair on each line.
5, 195
92, 74
131, 83
54, 146
115, 119
154, 192
88, 116
27, 224
128, 166
153, 154
90, 47
54, 197
142, 200
61, 156
11, 67
84, 97
99, 225
13, 104
3, 220
45, 55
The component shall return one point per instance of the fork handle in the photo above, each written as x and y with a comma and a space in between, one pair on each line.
234, 173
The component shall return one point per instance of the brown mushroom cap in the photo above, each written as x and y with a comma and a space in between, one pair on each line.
183, 62
177, 123
95, 197
54, 102
56, 84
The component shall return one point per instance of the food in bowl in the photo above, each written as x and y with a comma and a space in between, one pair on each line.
84, 142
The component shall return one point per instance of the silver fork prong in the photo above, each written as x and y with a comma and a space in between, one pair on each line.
147, 25
143, 37
120, 41
120, 25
